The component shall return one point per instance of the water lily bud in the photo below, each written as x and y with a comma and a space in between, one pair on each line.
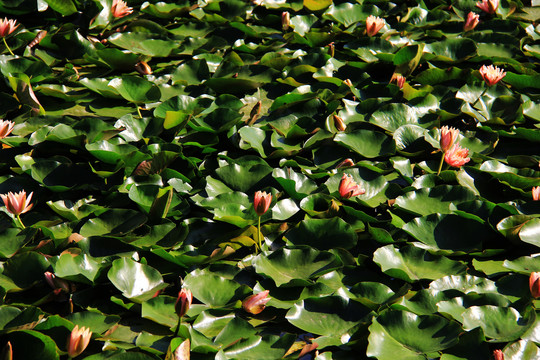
17, 203
6, 127
534, 284
339, 124
448, 137
536, 193
373, 25
285, 20
471, 22
261, 202
255, 304
457, 156
183, 302
57, 283
349, 188
346, 162
491, 74
489, 6
143, 68
498, 355
7, 26
78, 341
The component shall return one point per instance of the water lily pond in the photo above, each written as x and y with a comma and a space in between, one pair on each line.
270, 179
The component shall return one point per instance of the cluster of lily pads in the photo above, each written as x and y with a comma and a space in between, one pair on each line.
267, 179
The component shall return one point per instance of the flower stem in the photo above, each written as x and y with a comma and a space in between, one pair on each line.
7, 46
259, 235
178, 326
441, 164
20, 221
139, 111
482, 94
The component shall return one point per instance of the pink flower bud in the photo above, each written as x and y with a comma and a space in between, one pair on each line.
183, 302
471, 22
448, 137
262, 202
534, 284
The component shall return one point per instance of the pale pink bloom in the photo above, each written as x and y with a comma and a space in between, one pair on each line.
373, 25
398, 79
78, 341
457, 156
17, 203
261, 202
7, 26
255, 304
491, 74
471, 22
349, 188
536, 193
448, 137
6, 127
120, 9
489, 6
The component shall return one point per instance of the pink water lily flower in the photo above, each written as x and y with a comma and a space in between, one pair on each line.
120, 9
536, 193
78, 341
6, 127
489, 6
7, 26
349, 188
373, 25
17, 203
492, 74
457, 156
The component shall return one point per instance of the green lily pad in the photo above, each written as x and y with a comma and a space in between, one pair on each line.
297, 266
138, 282
323, 234
416, 333
330, 315
412, 264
